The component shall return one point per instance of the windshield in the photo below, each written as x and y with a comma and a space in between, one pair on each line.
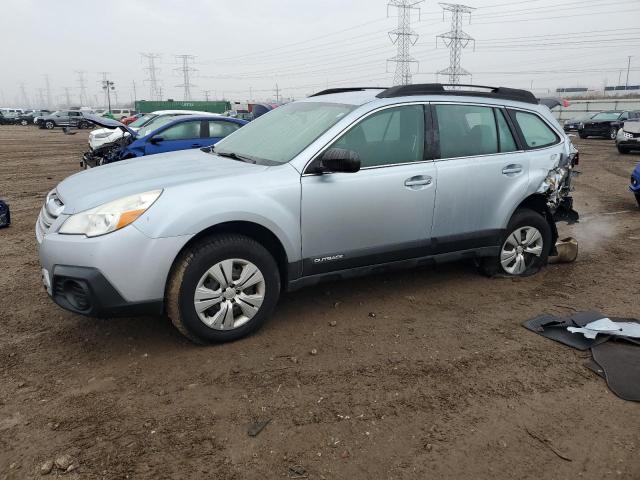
280, 135
142, 120
607, 116
155, 123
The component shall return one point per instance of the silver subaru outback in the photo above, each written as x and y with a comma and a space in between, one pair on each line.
346, 182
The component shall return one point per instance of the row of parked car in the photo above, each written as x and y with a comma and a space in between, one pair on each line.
621, 126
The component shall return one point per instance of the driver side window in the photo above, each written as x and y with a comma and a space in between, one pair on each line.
391, 136
182, 131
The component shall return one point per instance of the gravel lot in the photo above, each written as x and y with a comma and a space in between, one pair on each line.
420, 374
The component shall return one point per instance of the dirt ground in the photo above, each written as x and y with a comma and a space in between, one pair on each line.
425, 374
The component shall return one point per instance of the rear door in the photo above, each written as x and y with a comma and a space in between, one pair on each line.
183, 136
482, 171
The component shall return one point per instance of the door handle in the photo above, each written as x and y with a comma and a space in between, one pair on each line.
512, 169
417, 181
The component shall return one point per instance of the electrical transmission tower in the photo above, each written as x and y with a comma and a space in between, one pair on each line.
67, 95
41, 100
186, 73
152, 72
404, 37
82, 86
48, 88
24, 99
455, 40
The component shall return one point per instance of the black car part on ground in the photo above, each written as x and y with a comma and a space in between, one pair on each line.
5, 215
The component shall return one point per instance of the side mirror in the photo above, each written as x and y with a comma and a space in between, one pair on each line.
156, 140
338, 160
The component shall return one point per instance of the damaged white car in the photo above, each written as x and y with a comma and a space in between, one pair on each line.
346, 182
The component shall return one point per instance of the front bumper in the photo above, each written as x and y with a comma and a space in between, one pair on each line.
122, 273
598, 130
85, 290
630, 143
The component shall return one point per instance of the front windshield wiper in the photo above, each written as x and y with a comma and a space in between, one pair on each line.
234, 156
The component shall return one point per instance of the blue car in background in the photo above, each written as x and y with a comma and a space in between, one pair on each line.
634, 187
181, 133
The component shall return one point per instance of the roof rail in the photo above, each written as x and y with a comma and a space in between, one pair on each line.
329, 91
439, 89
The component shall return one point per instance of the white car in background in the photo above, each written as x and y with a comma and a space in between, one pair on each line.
153, 120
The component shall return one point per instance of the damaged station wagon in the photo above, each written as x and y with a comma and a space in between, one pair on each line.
346, 182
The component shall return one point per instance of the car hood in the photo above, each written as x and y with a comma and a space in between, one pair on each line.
633, 127
99, 185
109, 123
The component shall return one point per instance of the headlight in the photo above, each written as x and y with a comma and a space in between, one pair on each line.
109, 217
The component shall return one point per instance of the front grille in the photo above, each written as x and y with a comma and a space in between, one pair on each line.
49, 212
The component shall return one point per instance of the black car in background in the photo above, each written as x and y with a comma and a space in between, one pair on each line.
606, 124
574, 123
29, 117
6, 120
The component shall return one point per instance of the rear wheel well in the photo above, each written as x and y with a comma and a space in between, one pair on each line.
538, 203
260, 234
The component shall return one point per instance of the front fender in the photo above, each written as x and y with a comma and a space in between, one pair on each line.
189, 210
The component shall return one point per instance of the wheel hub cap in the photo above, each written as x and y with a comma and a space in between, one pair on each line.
229, 294
521, 249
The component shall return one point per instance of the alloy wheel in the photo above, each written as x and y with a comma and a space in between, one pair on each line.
229, 294
521, 249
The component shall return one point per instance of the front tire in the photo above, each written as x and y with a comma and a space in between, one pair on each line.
222, 289
582, 135
49, 125
524, 248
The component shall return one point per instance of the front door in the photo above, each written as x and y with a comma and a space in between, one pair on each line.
381, 213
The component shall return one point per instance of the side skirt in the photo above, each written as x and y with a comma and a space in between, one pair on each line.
395, 265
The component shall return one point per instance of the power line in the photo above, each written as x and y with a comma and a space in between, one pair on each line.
186, 70
455, 40
152, 71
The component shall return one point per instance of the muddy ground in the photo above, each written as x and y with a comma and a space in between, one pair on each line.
425, 374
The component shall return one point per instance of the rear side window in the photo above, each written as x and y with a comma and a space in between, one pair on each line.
466, 130
536, 133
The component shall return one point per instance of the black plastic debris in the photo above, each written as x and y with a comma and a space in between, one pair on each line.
620, 361
255, 428
555, 328
615, 358
5, 215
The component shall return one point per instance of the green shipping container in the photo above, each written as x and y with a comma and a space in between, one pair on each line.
144, 106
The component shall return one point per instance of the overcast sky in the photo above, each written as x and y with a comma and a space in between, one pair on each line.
243, 46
